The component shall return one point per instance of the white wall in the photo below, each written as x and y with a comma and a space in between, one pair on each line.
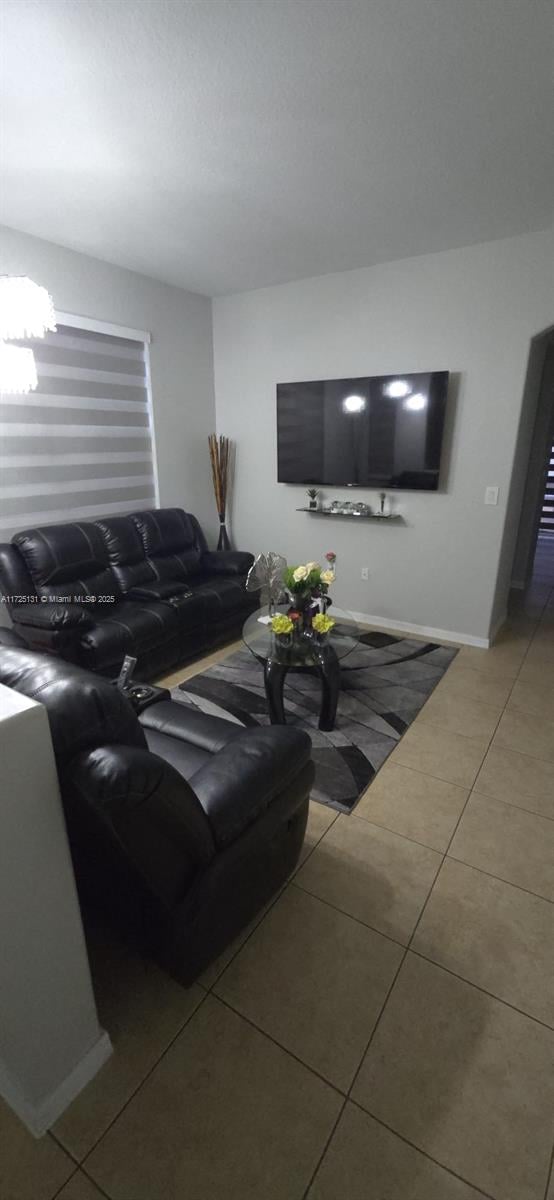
471, 311
51, 1044
180, 353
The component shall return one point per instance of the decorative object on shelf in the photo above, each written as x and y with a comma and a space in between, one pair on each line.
322, 624
26, 309
391, 517
18, 372
384, 505
313, 494
266, 574
219, 455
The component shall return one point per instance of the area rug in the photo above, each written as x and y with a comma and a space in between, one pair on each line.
384, 683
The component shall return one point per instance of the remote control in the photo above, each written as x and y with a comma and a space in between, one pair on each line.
126, 672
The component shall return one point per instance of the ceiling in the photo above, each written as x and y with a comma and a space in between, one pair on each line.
222, 145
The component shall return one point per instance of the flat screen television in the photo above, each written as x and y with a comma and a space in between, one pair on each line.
382, 431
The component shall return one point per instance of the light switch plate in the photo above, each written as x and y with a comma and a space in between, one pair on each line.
491, 495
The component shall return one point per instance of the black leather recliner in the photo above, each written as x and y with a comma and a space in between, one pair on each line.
144, 584
181, 825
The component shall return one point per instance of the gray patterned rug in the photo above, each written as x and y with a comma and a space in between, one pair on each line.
384, 683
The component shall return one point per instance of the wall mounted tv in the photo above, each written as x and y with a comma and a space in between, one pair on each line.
382, 431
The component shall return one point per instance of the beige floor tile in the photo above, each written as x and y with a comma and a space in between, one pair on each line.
504, 658
464, 1077
414, 805
518, 779
460, 714
448, 756
365, 1161
142, 1009
320, 818
476, 685
492, 934
215, 968
537, 699
541, 654
198, 664
372, 874
527, 734
80, 1188
536, 673
30, 1168
225, 1114
287, 982
507, 842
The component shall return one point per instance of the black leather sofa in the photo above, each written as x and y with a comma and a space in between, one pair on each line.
144, 584
181, 825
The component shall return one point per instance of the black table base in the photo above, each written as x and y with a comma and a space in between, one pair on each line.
327, 667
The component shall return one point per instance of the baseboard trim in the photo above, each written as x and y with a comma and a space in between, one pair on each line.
427, 631
39, 1117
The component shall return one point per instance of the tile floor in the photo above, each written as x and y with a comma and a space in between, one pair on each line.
383, 1030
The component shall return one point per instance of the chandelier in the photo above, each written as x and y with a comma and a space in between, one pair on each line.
26, 311
18, 372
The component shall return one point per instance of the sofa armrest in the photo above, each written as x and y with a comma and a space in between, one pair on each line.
51, 616
240, 782
146, 810
227, 562
159, 590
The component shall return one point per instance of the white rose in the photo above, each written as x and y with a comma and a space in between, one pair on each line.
327, 576
312, 567
300, 574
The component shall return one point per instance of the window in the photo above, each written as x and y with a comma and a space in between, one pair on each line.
81, 445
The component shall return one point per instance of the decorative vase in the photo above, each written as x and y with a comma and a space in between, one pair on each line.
223, 541
313, 505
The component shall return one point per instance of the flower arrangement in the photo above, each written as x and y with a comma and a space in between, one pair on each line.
322, 623
308, 579
282, 625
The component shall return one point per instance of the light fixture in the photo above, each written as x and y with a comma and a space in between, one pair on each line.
18, 372
416, 402
26, 309
353, 404
397, 389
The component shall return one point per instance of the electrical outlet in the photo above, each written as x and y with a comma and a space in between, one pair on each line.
491, 495
365, 572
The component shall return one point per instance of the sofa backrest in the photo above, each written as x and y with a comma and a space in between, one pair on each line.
126, 552
67, 560
173, 542
84, 710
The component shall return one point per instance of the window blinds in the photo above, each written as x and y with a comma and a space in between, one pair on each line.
80, 446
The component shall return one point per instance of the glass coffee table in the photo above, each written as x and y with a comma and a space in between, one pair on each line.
306, 652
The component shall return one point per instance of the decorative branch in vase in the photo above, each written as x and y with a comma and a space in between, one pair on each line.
219, 457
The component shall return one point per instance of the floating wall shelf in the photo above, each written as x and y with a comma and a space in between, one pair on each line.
320, 512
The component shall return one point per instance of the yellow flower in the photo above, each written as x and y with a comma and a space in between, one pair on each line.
300, 574
322, 623
313, 566
327, 576
282, 624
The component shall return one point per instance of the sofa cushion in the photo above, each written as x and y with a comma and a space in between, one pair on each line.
67, 560
125, 552
172, 541
130, 627
221, 594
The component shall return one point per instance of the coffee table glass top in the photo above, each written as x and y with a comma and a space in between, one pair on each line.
302, 651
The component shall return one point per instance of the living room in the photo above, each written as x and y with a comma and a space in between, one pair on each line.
309, 956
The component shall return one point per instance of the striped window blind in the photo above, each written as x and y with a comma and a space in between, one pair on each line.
81, 445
